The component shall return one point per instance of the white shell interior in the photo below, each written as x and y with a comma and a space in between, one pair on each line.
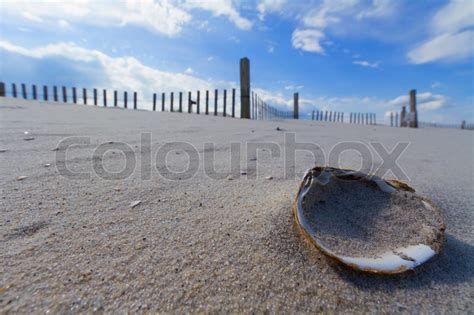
398, 260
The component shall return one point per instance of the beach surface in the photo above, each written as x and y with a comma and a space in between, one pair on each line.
75, 238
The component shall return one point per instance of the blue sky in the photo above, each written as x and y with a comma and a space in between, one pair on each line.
341, 55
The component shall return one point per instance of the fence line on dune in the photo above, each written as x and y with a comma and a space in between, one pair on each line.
396, 120
261, 110
216, 102
209, 103
341, 117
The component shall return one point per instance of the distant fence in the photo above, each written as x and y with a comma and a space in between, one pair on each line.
396, 121
341, 117
261, 110
462, 125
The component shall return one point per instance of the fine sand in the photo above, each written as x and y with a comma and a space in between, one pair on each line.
356, 218
154, 240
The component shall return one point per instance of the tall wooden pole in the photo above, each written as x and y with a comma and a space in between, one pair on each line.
245, 88
413, 113
296, 113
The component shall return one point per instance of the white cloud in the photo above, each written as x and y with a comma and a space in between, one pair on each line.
189, 71
160, 16
435, 84
210, 58
379, 8
452, 35
325, 14
426, 101
292, 87
63, 24
343, 13
365, 63
453, 17
121, 73
221, 8
448, 47
266, 6
271, 45
308, 40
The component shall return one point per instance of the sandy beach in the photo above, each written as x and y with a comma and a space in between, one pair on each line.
159, 242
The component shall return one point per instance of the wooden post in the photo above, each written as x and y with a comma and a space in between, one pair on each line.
180, 102
154, 101
55, 93
252, 104
366, 118
2, 89
233, 104
14, 90
171, 101
34, 92
402, 117
296, 113
330, 116
23, 90
74, 95
198, 101
225, 103
163, 102
463, 124
84, 95
391, 119
95, 97
326, 116
105, 97
216, 95
125, 99
115, 98
396, 119
64, 94
244, 88
190, 103
207, 102
414, 122
312, 118
342, 117
45, 93
135, 100
375, 119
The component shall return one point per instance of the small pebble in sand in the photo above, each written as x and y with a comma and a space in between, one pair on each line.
55, 149
47, 165
243, 173
117, 188
135, 203
21, 177
229, 177
278, 128
28, 138
269, 177
3, 150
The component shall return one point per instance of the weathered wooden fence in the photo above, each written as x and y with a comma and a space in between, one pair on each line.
341, 117
261, 110
215, 102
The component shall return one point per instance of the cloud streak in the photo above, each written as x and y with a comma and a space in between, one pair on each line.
452, 35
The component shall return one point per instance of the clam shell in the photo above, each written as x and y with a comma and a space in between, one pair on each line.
367, 223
